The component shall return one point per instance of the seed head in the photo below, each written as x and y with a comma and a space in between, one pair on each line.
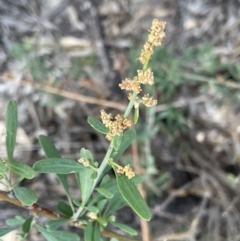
148, 101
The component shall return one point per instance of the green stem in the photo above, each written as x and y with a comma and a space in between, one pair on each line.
99, 175
130, 105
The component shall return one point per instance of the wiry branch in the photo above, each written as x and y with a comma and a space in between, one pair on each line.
41, 211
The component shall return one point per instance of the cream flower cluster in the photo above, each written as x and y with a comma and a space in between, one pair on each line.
155, 38
116, 126
127, 171
145, 77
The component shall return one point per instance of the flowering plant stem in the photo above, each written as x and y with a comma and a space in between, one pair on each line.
88, 174
111, 147
130, 105
105, 160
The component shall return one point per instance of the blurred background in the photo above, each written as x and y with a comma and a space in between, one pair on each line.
62, 61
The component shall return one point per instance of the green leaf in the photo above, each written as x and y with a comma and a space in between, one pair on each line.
125, 228
101, 205
21, 169
117, 140
58, 165
117, 202
127, 139
14, 222
85, 183
97, 125
51, 151
136, 115
133, 197
25, 195
114, 204
4, 231
55, 224
96, 233
56, 235
137, 179
105, 179
88, 232
20, 218
64, 235
104, 192
49, 236
2, 167
102, 221
77, 203
94, 175
11, 128
92, 209
65, 209
26, 226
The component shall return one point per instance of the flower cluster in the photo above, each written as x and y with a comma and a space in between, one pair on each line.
146, 100
145, 76
116, 126
127, 170
155, 38
134, 85
85, 163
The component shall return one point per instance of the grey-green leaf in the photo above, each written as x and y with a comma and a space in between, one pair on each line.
85, 183
64, 235
127, 139
97, 125
49, 148
92, 209
4, 231
49, 236
11, 127
86, 154
96, 233
55, 224
125, 228
88, 232
51, 151
101, 204
106, 193
105, 179
58, 165
14, 222
133, 197
21, 169
25, 195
